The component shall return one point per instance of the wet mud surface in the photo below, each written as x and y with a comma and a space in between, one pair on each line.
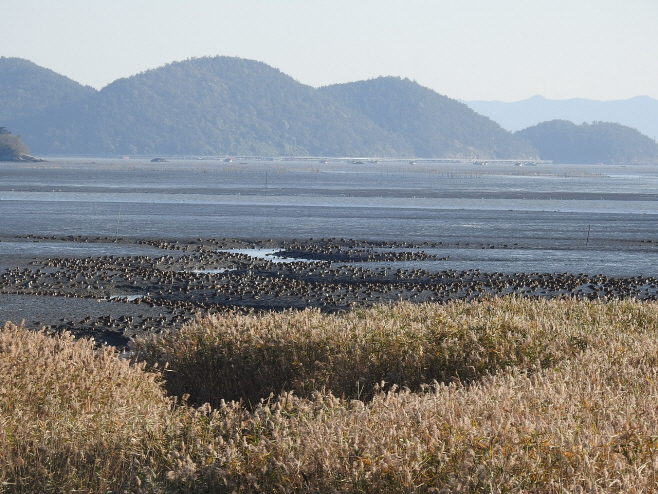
112, 298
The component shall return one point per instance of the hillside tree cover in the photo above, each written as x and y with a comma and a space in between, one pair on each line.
28, 89
11, 146
599, 142
432, 124
232, 106
208, 106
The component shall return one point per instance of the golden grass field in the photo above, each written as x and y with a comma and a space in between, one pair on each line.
503, 395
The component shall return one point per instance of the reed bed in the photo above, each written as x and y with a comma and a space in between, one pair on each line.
250, 357
75, 419
505, 395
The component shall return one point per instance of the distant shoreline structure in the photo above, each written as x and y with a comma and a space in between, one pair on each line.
358, 160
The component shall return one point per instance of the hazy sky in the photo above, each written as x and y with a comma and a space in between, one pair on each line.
466, 49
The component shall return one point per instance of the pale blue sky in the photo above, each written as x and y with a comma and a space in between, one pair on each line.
466, 49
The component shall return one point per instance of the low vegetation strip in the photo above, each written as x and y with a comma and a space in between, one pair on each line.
250, 357
505, 395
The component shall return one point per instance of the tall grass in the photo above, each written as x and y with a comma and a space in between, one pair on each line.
249, 357
528, 396
565, 402
75, 419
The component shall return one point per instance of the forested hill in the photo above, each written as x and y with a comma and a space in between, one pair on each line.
432, 124
27, 89
232, 106
599, 142
208, 106
11, 146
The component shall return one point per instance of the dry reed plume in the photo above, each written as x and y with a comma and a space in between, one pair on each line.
536, 396
74, 419
249, 357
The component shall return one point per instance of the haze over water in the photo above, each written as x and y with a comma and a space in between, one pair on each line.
594, 219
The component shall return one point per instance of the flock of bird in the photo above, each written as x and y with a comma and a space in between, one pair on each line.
209, 276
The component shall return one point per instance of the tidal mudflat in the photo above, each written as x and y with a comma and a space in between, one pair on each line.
151, 285
115, 248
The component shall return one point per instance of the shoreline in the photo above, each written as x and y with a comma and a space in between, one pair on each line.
22, 158
113, 298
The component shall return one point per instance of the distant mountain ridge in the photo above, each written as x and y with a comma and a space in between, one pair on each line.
640, 112
233, 106
204, 106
